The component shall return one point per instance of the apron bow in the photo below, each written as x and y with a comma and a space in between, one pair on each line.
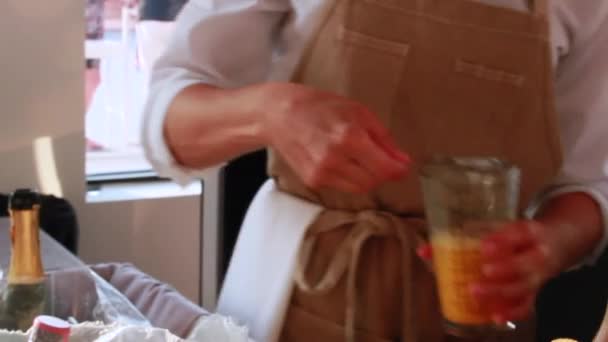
362, 226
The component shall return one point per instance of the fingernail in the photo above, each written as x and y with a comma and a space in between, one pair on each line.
420, 252
488, 248
498, 319
403, 158
424, 252
475, 289
487, 270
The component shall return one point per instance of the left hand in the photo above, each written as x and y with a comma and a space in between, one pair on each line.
517, 260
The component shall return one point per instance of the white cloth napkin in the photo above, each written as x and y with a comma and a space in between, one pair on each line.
259, 282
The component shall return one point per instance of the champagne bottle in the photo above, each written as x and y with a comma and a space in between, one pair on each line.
24, 296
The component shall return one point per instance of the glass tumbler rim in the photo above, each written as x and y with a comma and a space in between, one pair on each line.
491, 169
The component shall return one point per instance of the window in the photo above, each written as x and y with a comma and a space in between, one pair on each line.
115, 86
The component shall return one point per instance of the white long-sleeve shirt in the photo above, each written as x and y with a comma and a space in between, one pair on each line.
233, 43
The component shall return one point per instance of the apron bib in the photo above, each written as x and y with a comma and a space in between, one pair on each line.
452, 77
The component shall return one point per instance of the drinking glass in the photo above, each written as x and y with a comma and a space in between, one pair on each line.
465, 199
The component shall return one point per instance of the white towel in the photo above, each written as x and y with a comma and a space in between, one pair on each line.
259, 282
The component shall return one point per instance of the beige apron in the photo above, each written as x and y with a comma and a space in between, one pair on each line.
452, 77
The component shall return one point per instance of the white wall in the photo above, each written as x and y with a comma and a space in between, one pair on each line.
42, 95
41, 90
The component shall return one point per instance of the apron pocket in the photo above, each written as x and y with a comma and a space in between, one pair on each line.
374, 67
301, 325
350, 37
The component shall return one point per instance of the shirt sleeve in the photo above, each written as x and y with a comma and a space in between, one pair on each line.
225, 43
595, 191
580, 34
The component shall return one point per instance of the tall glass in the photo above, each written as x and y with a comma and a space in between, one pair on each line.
466, 199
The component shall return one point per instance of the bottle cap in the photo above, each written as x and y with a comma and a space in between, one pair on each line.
52, 325
23, 199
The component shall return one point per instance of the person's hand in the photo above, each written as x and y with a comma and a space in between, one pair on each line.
516, 261
330, 141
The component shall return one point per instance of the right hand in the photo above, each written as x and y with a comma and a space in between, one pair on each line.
330, 141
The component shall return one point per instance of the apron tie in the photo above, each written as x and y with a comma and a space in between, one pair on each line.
363, 226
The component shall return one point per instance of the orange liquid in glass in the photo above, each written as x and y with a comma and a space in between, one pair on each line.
457, 262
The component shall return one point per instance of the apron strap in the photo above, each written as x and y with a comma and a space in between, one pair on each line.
363, 226
324, 15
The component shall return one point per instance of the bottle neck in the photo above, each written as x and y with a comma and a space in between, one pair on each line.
26, 264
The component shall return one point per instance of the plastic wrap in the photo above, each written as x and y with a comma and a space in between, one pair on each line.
213, 328
121, 333
219, 328
98, 332
100, 313
80, 295
103, 303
